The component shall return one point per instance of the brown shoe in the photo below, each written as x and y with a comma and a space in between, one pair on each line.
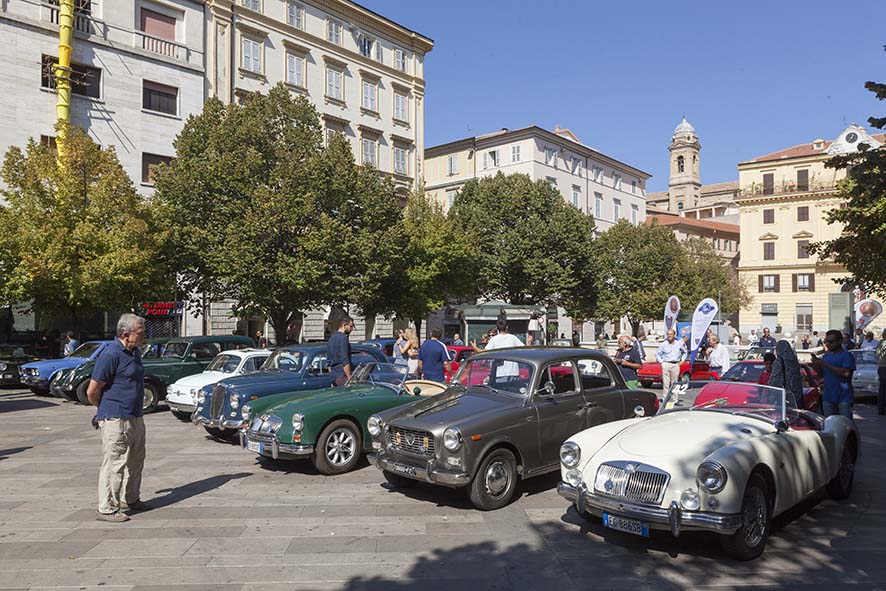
115, 517
136, 506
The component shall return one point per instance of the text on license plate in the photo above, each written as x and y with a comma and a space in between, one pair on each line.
254, 446
404, 469
631, 526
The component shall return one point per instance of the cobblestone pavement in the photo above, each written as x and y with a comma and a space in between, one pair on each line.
227, 522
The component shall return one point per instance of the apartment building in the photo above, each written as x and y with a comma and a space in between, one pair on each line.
784, 198
723, 237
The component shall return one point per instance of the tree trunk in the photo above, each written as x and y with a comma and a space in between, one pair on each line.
417, 322
75, 322
635, 327
279, 320
205, 309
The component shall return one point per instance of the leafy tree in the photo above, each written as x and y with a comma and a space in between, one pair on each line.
706, 275
532, 247
78, 237
861, 247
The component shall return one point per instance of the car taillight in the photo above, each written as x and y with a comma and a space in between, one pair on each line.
657, 404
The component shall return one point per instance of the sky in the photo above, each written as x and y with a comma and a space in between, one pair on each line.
752, 77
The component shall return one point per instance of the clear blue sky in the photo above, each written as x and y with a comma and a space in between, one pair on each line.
752, 77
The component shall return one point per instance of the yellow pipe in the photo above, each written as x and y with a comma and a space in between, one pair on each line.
63, 71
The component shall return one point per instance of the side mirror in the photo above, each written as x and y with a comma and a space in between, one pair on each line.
781, 426
547, 389
416, 391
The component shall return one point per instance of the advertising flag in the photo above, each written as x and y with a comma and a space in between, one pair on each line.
672, 309
701, 320
865, 312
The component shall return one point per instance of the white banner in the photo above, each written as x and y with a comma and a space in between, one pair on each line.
701, 320
866, 311
672, 309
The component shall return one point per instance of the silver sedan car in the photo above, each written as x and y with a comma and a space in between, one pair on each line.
865, 381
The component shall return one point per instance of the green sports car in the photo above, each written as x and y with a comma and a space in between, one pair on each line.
328, 425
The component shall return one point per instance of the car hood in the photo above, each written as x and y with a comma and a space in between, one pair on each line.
650, 367
198, 380
296, 401
51, 365
457, 404
259, 379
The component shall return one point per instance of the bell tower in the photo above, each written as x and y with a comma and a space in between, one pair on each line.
685, 179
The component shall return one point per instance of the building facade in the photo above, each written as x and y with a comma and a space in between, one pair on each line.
723, 237
784, 199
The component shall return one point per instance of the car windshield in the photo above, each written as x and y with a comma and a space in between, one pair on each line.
13, 351
86, 350
374, 373
757, 352
744, 372
152, 350
761, 402
224, 363
866, 357
175, 350
285, 360
504, 375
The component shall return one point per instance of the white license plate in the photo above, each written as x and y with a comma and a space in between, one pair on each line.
631, 526
254, 446
404, 469
7, 376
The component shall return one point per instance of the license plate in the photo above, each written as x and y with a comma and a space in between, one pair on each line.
7, 376
631, 526
404, 469
254, 446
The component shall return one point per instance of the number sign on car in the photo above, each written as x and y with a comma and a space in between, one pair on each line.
631, 526
254, 446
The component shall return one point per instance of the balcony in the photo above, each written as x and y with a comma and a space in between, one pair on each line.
786, 188
161, 46
83, 21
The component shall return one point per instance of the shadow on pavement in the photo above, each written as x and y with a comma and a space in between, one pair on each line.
28, 403
5, 453
192, 489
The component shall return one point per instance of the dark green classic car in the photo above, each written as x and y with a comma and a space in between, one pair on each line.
327, 425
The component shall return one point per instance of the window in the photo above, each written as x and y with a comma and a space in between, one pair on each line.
562, 376
593, 374
452, 165
368, 150
450, 196
159, 97
597, 173
400, 165
333, 32
804, 282
634, 187
366, 44
803, 179
253, 5
150, 162
295, 70
251, 55
768, 183
680, 206
85, 80
295, 15
156, 24
515, 153
401, 111
379, 53
802, 249
490, 159
552, 182
616, 209
400, 60
803, 213
616, 181
598, 205
635, 215
575, 165
576, 196
551, 157
333, 83
804, 317
681, 164
330, 131
768, 216
769, 283
769, 251
49, 141
370, 95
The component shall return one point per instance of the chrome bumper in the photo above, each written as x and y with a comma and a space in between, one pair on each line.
673, 518
202, 421
188, 408
425, 472
272, 448
35, 381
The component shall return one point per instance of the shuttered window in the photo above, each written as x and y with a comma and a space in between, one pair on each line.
157, 25
160, 98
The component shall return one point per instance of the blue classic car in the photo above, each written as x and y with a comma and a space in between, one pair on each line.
38, 374
297, 367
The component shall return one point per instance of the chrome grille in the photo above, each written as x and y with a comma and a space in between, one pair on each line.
217, 403
631, 481
412, 441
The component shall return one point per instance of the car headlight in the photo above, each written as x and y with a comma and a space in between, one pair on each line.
298, 421
235, 401
374, 425
573, 477
452, 438
3, 366
712, 476
193, 392
690, 500
570, 454
201, 397
244, 412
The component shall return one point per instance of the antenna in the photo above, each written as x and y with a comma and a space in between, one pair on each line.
844, 121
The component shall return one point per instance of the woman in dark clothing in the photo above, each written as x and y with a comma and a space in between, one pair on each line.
786, 372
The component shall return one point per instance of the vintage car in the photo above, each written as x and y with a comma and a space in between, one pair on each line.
724, 457
750, 370
502, 419
865, 381
71, 383
181, 396
754, 352
288, 369
650, 372
457, 356
11, 358
327, 425
38, 374
385, 345
561, 342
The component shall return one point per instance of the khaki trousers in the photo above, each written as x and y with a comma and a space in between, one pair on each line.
670, 374
123, 457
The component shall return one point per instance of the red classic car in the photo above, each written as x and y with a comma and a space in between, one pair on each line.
457, 354
650, 373
749, 370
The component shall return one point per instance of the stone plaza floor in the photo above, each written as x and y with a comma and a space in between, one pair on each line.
225, 521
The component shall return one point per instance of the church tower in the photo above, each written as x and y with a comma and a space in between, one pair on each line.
685, 180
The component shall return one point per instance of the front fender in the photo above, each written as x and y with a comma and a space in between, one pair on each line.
592, 440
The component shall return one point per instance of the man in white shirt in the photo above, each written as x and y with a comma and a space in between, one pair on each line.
670, 355
718, 356
503, 340
869, 342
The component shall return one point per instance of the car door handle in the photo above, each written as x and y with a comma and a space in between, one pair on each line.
588, 405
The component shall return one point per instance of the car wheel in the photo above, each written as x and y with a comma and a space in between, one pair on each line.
182, 416
399, 481
152, 398
81, 393
227, 434
338, 448
749, 541
495, 482
645, 384
841, 485
40, 391
684, 378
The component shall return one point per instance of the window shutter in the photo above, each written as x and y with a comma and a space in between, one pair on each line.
777, 283
794, 281
812, 282
759, 284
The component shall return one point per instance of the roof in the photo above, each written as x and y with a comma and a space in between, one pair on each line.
804, 150
675, 220
213, 338
684, 127
657, 196
718, 187
427, 40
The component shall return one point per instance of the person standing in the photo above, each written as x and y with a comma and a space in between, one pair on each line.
339, 354
601, 343
117, 389
629, 361
805, 343
670, 355
433, 358
409, 349
881, 373
502, 339
869, 342
736, 339
638, 344
817, 339
848, 343
71, 343
718, 356
260, 341
456, 340
397, 349
836, 365
576, 338
785, 373
767, 340
753, 338
768, 362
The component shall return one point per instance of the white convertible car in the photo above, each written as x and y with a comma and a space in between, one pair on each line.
722, 457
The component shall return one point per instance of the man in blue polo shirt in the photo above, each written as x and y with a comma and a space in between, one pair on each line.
339, 353
836, 365
433, 357
117, 389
